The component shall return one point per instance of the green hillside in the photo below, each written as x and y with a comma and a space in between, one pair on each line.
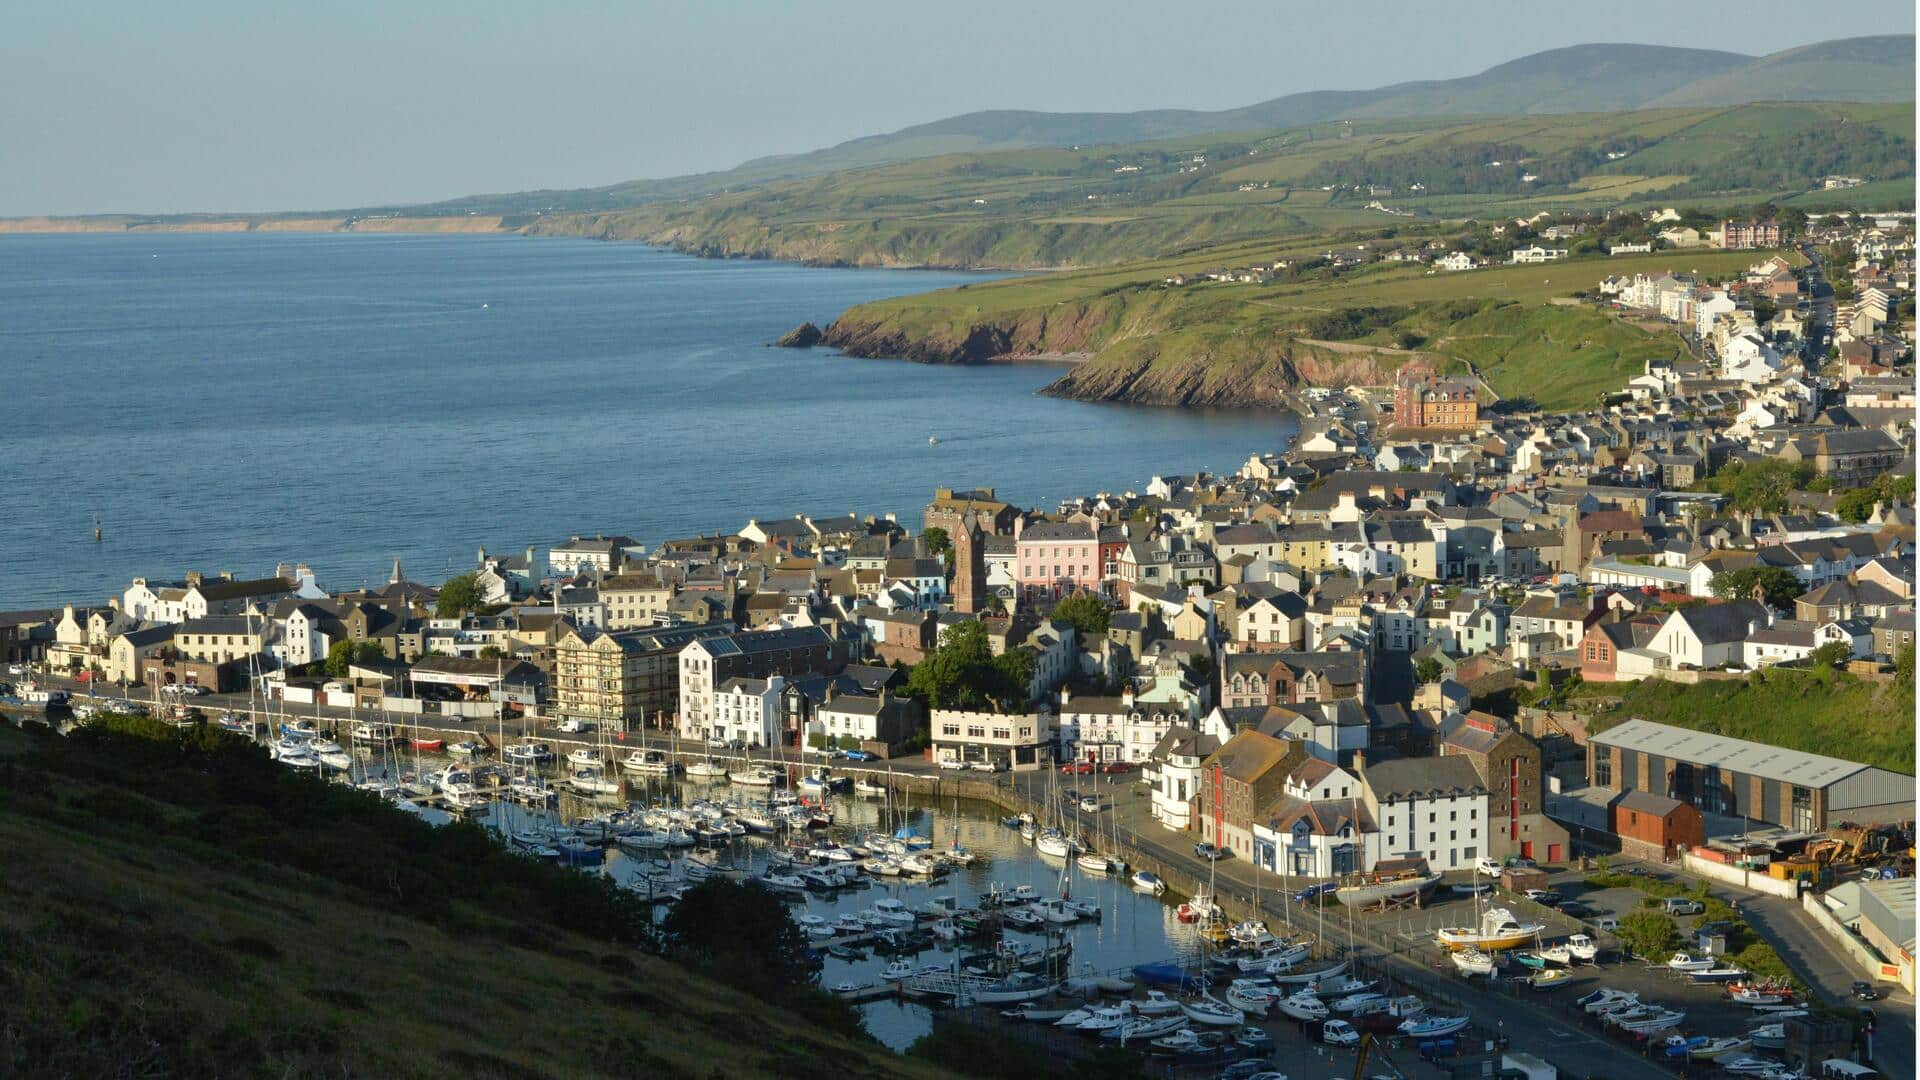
1251, 344
1577, 79
1820, 712
189, 910
1110, 204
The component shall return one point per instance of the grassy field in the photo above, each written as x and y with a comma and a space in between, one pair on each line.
139, 937
1830, 712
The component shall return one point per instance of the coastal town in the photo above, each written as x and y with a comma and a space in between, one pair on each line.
1415, 645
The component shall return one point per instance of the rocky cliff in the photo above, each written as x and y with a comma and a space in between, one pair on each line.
1130, 348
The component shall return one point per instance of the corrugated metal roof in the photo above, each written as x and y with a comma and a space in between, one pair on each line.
1725, 752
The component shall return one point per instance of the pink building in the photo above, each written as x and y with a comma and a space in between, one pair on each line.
1057, 558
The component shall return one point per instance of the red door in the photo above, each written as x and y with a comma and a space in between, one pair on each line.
1553, 853
1526, 849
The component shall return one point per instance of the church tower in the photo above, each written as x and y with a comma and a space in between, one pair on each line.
969, 565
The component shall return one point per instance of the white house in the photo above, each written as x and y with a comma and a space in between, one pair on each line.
1175, 774
1709, 636
1455, 260
1431, 807
1748, 358
748, 711
1535, 254
1318, 828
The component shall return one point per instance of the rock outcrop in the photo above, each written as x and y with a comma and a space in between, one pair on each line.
804, 336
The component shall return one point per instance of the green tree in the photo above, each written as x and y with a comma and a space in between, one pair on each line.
343, 654
1777, 585
458, 596
963, 673
938, 543
1427, 670
1903, 664
1761, 486
741, 932
1014, 671
1649, 934
1831, 655
1086, 613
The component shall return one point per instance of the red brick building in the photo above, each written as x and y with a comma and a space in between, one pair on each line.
1423, 399
1654, 826
1749, 234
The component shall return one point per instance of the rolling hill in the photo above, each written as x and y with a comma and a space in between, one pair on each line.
1576, 79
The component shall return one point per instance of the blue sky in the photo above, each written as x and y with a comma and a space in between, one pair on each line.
221, 105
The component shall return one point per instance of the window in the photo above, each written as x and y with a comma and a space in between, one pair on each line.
1603, 769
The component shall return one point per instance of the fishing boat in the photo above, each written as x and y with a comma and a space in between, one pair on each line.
1498, 929
1550, 977
648, 763
372, 734
1473, 962
1606, 998
529, 753
1252, 934
593, 780
1682, 962
1303, 1005
869, 788
330, 753
1765, 993
1204, 1008
1148, 881
1717, 975
1720, 1047
1745, 1065
1432, 1027
1251, 998
1146, 1027
1556, 954
1582, 948
758, 776
1015, 988
1157, 1003
299, 729
1278, 956
467, 748
1106, 1018
1530, 960
1200, 907
706, 770
583, 756
1035, 1014
1392, 881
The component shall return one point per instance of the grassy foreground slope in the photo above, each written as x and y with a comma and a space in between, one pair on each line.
1234, 344
207, 920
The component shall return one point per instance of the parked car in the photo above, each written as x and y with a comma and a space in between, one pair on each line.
1574, 908
1077, 767
1210, 852
1117, 767
1542, 896
573, 725
1680, 905
1089, 804
1338, 1033
953, 764
990, 766
717, 743
1487, 865
1865, 991
1608, 923
1314, 892
860, 755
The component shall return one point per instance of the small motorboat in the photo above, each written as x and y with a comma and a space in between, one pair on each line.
1148, 881
1769, 1036
1303, 1005
1549, 978
1430, 1027
705, 770
1682, 962
1721, 1047
584, 756
1555, 954
1530, 959
1157, 1003
529, 753
1250, 998
1582, 948
431, 746
1146, 1027
468, 748
869, 788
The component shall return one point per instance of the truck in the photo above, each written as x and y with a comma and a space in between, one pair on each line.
1515, 1065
